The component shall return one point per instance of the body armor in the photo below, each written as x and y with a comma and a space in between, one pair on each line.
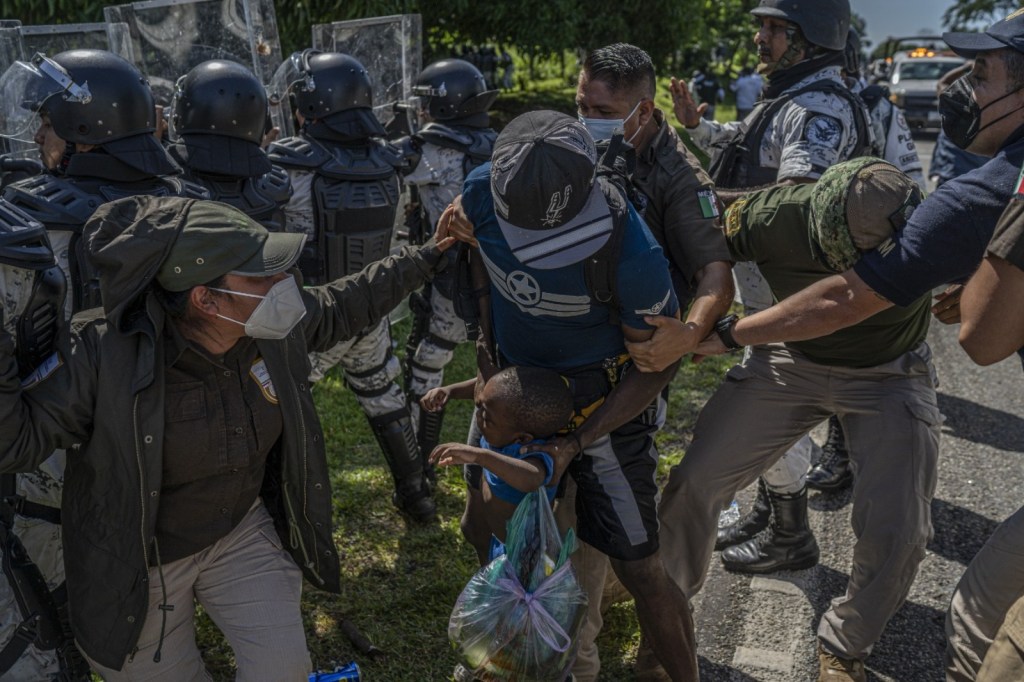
355, 193
262, 198
65, 204
23, 244
475, 143
736, 161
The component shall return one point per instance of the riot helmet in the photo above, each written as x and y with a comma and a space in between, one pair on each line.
91, 97
824, 23
331, 91
453, 89
220, 97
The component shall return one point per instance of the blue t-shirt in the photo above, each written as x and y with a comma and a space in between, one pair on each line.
503, 490
946, 236
547, 318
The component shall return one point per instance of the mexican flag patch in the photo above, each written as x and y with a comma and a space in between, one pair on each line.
708, 203
1018, 189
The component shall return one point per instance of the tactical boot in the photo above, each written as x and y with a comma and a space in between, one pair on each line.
832, 472
832, 668
748, 525
787, 542
398, 442
428, 435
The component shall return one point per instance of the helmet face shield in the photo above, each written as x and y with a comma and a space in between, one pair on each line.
29, 87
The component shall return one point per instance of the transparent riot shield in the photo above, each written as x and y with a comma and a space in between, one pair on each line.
167, 38
19, 42
391, 49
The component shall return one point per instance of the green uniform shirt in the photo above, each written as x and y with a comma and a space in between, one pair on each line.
770, 228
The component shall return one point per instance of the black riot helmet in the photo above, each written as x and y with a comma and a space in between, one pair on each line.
824, 23
120, 103
220, 97
334, 82
453, 89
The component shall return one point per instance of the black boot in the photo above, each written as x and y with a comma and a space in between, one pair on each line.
787, 542
748, 525
398, 442
428, 435
832, 472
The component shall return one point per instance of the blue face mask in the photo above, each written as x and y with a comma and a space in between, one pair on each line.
603, 128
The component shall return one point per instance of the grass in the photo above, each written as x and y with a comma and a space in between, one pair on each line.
400, 580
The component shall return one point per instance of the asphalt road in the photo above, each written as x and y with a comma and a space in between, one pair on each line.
764, 628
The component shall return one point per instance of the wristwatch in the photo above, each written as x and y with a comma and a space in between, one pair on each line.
724, 330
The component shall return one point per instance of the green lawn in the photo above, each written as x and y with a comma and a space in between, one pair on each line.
400, 580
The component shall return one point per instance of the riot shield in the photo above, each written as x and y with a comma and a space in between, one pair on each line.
19, 42
391, 49
167, 38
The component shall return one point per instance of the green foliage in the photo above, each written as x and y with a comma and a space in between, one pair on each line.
969, 14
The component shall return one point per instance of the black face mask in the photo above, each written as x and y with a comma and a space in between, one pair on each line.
961, 115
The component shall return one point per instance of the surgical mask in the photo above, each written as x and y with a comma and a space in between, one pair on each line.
604, 128
276, 315
961, 115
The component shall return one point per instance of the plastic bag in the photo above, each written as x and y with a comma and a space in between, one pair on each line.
519, 617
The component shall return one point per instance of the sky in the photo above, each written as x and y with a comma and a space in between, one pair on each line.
900, 17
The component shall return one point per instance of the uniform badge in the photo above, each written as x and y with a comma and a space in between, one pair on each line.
1018, 189
260, 375
734, 218
824, 131
708, 203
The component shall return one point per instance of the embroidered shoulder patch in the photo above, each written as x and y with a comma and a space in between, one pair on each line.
260, 374
824, 131
1018, 189
734, 218
45, 369
708, 203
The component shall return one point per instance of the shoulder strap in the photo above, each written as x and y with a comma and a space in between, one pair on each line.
601, 269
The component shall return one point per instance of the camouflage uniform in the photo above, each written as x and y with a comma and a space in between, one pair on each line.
42, 540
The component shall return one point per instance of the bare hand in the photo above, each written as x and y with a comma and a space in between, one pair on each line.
460, 226
453, 454
672, 340
947, 304
687, 111
712, 345
435, 399
563, 450
270, 137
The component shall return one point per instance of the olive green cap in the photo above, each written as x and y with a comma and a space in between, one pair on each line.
217, 239
856, 206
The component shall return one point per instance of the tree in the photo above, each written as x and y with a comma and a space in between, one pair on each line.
968, 14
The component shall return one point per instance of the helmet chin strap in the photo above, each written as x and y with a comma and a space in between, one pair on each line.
65, 158
797, 44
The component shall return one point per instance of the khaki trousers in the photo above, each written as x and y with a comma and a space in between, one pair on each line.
988, 596
891, 419
249, 586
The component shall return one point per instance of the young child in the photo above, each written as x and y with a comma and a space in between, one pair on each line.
518, 406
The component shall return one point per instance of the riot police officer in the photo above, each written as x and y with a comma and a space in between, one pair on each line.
103, 109
807, 121
33, 640
346, 188
456, 139
218, 119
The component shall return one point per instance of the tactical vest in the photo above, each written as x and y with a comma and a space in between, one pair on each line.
263, 199
736, 160
355, 194
66, 204
475, 143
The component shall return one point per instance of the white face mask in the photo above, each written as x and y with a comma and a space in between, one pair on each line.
276, 315
603, 128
